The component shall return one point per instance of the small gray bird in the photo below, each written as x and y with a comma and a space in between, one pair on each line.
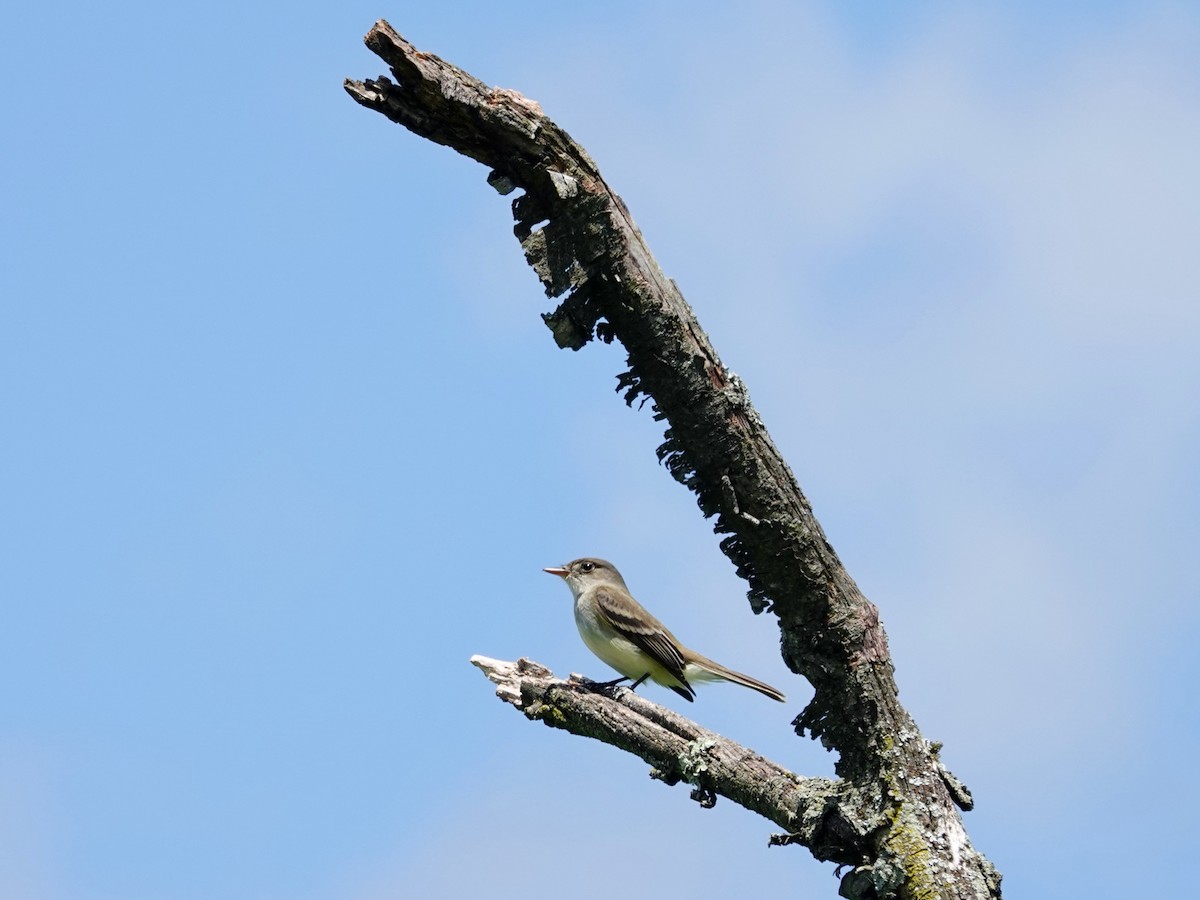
620, 631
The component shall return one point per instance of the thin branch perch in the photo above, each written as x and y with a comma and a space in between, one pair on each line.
904, 832
818, 812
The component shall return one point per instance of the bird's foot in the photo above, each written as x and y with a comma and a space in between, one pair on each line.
607, 687
610, 687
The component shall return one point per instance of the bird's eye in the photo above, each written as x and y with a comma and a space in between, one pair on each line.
587, 566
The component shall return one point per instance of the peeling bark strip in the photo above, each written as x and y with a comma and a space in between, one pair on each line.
581, 241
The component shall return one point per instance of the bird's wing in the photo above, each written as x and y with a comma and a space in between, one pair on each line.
629, 619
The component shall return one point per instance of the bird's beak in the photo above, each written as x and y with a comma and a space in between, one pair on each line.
560, 571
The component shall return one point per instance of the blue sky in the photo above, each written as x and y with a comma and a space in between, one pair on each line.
286, 442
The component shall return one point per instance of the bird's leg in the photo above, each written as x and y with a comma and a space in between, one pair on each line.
609, 685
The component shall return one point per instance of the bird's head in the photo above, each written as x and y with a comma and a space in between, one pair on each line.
588, 571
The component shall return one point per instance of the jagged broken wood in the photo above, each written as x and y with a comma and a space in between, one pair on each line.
579, 238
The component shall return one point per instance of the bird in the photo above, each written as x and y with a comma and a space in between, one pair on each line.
624, 635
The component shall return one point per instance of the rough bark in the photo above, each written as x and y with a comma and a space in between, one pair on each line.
903, 833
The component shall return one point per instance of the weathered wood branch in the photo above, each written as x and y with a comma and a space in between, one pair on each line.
820, 813
581, 241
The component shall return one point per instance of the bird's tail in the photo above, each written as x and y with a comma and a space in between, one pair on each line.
704, 669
